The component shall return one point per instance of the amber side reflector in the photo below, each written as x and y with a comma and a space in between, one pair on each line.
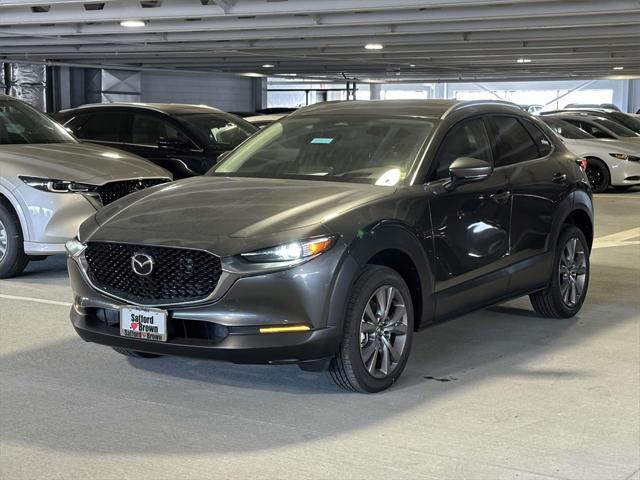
285, 329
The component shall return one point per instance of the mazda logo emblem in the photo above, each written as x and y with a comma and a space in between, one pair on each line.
142, 264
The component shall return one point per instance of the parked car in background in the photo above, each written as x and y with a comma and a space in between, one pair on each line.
597, 126
627, 120
262, 121
50, 183
184, 139
610, 162
532, 108
328, 238
609, 106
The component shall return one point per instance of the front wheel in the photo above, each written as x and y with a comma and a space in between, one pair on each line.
13, 260
567, 289
377, 332
598, 175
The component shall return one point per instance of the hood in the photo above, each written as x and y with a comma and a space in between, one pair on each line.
80, 162
197, 212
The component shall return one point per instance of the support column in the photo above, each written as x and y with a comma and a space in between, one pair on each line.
374, 91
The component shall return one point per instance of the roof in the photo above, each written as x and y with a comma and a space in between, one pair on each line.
419, 108
169, 108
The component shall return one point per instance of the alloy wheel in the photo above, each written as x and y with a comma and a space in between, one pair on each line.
383, 331
573, 272
595, 177
3, 241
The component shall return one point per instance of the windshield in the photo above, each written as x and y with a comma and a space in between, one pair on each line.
616, 128
358, 148
20, 124
218, 130
627, 120
565, 129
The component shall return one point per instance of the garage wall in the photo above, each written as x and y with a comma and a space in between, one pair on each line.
227, 92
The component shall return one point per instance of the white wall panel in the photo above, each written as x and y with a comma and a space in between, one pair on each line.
227, 92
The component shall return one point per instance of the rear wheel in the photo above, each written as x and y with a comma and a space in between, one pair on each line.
567, 289
13, 260
598, 175
133, 353
377, 332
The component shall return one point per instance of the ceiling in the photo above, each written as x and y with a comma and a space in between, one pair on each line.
423, 40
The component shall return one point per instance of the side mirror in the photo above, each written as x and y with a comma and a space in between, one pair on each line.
466, 170
171, 144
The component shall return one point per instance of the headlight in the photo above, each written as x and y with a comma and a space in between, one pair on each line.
291, 252
74, 247
624, 156
57, 186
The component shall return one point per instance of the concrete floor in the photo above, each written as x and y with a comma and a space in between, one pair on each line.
495, 394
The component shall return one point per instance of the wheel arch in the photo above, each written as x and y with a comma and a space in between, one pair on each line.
12, 204
396, 246
577, 209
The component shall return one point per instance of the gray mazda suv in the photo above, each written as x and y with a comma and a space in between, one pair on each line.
332, 235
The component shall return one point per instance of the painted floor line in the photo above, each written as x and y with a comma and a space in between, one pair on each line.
619, 239
35, 300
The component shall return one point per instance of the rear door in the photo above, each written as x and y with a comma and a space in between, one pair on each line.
538, 181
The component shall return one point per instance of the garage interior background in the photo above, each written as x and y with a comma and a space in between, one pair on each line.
242, 55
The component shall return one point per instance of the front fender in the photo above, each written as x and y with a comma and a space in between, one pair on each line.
395, 236
17, 207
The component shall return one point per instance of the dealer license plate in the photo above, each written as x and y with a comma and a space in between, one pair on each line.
147, 324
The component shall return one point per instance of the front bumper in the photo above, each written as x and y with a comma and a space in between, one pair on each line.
233, 345
52, 218
228, 328
625, 172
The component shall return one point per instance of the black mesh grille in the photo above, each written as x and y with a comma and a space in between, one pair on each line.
110, 192
179, 275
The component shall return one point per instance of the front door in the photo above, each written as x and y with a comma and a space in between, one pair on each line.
470, 225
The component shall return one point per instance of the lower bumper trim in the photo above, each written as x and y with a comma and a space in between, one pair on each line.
290, 347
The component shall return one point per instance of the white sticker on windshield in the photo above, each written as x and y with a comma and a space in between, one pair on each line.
322, 140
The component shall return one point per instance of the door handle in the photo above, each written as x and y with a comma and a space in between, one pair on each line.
500, 196
559, 178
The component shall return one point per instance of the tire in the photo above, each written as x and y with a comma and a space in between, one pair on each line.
598, 175
13, 260
133, 353
552, 301
364, 340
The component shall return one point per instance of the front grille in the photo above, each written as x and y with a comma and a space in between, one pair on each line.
179, 275
110, 192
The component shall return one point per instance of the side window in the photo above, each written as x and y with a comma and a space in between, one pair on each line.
148, 129
539, 138
467, 139
103, 126
590, 128
513, 143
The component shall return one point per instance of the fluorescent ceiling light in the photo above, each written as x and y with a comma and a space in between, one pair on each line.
132, 23
618, 68
253, 74
412, 66
373, 46
268, 65
524, 60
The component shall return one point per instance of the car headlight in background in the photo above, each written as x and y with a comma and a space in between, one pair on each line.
624, 156
57, 186
291, 252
